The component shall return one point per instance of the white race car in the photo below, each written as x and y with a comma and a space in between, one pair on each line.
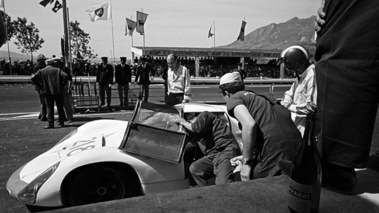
111, 159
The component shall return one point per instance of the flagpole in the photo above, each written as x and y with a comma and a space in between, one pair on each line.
65, 27
112, 33
6, 33
214, 33
143, 52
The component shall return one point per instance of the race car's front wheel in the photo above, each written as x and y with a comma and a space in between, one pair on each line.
99, 184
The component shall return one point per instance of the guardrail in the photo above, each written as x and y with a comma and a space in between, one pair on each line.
157, 80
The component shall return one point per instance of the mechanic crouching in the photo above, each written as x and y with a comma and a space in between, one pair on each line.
218, 145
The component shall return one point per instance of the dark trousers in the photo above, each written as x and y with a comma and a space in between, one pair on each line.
123, 94
174, 98
144, 88
59, 101
43, 112
217, 164
348, 81
105, 89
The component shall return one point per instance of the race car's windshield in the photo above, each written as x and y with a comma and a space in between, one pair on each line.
159, 116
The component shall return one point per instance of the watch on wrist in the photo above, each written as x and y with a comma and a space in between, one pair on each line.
247, 161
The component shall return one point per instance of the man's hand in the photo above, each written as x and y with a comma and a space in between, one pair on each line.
110, 85
185, 101
237, 163
320, 19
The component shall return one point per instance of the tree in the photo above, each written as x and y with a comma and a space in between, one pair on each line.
11, 30
80, 41
27, 36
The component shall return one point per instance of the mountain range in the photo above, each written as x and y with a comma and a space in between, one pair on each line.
279, 36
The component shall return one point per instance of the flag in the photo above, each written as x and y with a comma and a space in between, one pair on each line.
242, 32
100, 12
46, 2
141, 19
57, 6
2, 6
210, 34
130, 26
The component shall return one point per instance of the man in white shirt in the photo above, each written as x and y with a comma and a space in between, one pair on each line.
300, 99
178, 82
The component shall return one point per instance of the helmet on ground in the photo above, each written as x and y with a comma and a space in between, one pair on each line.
294, 57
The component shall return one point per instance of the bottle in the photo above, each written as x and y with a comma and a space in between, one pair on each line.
306, 172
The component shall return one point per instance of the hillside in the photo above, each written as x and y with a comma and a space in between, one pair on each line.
15, 56
279, 36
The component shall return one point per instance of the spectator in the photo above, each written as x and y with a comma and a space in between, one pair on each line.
144, 71
123, 76
217, 144
178, 82
347, 61
241, 71
52, 80
300, 99
40, 65
268, 133
104, 77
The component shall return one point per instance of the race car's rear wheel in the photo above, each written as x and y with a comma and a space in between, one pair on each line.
99, 184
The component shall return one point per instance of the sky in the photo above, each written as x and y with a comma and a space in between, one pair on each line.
170, 23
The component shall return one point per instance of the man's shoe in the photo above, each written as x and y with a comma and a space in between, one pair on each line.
339, 179
70, 121
43, 119
60, 125
49, 127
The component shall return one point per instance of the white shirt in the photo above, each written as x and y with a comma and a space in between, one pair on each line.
180, 82
301, 98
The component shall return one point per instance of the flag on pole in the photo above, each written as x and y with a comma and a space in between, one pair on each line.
57, 6
46, 2
100, 12
2, 6
210, 34
130, 27
141, 19
242, 32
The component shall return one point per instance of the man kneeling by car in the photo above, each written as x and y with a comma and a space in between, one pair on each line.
217, 144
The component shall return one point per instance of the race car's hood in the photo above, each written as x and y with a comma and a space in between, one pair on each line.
96, 134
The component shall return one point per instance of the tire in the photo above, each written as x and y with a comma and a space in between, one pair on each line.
99, 184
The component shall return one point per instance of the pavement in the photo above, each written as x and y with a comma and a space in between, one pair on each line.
261, 195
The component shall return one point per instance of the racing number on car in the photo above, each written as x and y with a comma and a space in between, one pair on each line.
80, 146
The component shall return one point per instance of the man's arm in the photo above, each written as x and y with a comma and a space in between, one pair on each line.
248, 139
184, 123
288, 96
187, 85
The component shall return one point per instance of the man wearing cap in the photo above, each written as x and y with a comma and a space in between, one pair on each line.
268, 132
123, 76
144, 70
40, 65
104, 77
51, 80
178, 82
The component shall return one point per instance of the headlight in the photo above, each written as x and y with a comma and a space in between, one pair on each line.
67, 136
29, 193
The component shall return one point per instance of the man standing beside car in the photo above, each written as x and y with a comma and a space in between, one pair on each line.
105, 79
123, 76
51, 80
218, 145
